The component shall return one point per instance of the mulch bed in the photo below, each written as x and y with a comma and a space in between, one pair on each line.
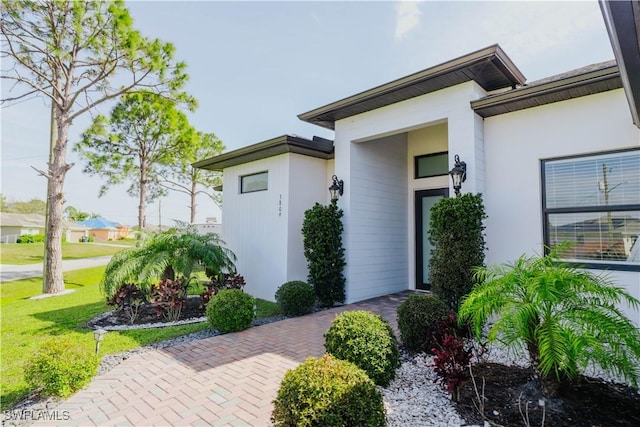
511, 394
148, 314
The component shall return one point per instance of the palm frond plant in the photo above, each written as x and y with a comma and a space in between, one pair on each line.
565, 318
165, 255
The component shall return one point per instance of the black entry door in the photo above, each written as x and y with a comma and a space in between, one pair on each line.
424, 201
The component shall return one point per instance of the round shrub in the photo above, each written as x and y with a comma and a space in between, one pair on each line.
296, 298
327, 392
367, 340
230, 311
61, 367
417, 316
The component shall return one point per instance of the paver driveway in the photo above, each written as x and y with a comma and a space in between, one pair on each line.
226, 380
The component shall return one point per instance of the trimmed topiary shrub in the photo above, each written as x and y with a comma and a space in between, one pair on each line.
456, 231
296, 298
230, 311
418, 316
322, 230
367, 340
61, 367
327, 392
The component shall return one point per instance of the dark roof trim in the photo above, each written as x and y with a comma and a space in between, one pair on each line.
622, 19
490, 67
584, 81
318, 147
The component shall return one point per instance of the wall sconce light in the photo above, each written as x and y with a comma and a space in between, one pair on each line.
98, 335
458, 174
336, 189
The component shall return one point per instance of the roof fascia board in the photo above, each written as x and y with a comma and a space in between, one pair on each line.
272, 147
487, 53
545, 88
622, 19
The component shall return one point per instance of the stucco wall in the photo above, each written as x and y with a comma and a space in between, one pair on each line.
514, 145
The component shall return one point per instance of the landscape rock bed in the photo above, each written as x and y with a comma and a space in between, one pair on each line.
415, 399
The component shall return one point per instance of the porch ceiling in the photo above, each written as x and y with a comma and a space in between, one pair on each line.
490, 67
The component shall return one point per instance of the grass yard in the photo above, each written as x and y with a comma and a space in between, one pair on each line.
27, 323
33, 253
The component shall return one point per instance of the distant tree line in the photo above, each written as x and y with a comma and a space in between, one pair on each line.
37, 206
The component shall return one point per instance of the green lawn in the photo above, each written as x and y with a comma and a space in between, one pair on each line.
27, 323
33, 253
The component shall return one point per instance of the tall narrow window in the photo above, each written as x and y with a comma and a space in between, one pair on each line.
593, 204
431, 165
254, 182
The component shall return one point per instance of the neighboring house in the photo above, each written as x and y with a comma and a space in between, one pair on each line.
211, 225
14, 225
103, 229
549, 157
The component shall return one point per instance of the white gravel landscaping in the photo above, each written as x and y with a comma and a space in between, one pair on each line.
414, 399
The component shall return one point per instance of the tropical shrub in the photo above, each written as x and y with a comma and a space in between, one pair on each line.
169, 298
452, 357
456, 232
295, 298
230, 311
366, 340
31, 238
128, 298
322, 231
418, 316
166, 255
327, 392
563, 317
219, 282
60, 367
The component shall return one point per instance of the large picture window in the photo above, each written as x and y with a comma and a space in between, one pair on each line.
254, 182
593, 204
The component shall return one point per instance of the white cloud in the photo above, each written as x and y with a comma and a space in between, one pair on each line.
407, 18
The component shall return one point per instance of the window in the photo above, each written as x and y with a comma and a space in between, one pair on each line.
431, 165
593, 202
254, 182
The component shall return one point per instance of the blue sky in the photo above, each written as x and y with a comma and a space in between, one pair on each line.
254, 66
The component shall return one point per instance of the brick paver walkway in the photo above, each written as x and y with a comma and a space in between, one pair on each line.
227, 380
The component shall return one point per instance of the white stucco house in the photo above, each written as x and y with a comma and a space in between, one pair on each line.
555, 159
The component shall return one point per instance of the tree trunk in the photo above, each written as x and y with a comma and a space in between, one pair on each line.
143, 195
54, 281
193, 201
549, 384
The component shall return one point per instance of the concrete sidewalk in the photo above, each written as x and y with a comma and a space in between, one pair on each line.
227, 380
15, 272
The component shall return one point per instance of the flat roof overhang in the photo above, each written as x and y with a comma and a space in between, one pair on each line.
585, 81
318, 147
490, 67
622, 19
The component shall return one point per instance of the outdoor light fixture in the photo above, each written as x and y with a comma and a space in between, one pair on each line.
458, 174
336, 189
98, 335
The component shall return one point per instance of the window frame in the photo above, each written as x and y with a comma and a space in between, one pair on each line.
242, 177
417, 158
546, 212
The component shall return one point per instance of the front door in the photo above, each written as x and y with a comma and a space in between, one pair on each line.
424, 201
